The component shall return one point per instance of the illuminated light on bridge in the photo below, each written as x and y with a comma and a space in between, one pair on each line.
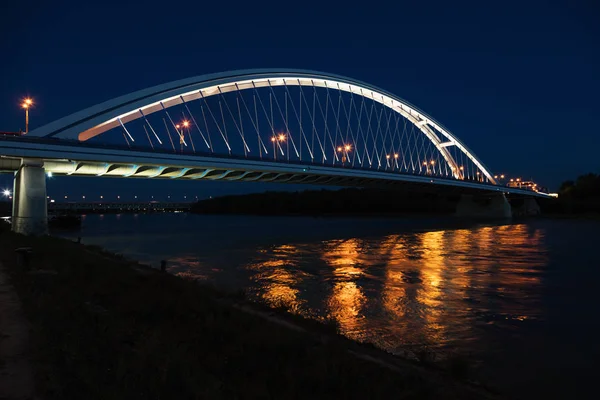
27, 104
338, 131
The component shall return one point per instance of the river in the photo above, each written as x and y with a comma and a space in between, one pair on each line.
518, 300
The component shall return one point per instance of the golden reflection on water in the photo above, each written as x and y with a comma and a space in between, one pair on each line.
410, 288
278, 278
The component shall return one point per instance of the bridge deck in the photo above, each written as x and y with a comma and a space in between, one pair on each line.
62, 157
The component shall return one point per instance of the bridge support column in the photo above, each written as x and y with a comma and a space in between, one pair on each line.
30, 213
496, 206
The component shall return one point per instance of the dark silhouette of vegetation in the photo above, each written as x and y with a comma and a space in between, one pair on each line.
581, 196
349, 201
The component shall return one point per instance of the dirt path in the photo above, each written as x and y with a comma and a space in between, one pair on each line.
16, 377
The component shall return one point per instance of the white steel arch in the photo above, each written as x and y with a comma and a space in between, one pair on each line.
100, 118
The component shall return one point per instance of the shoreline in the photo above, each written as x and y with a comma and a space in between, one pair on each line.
53, 267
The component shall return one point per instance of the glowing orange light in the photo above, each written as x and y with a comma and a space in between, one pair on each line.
518, 179
339, 149
282, 137
424, 162
495, 176
512, 180
186, 123
502, 176
396, 155
177, 126
348, 147
387, 156
27, 103
432, 162
462, 168
273, 139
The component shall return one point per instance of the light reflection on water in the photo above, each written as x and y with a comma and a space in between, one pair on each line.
515, 298
401, 290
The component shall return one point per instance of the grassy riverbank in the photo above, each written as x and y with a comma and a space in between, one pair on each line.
104, 327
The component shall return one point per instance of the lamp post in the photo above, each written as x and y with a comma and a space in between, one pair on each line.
344, 150
181, 132
277, 140
27, 103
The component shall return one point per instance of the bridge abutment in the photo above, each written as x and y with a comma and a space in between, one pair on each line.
30, 213
496, 206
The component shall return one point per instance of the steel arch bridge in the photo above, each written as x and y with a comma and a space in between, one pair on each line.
278, 125
293, 116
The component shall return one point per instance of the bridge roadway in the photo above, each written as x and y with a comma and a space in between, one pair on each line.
74, 158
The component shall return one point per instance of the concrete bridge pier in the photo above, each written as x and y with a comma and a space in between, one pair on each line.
495, 206
30, 213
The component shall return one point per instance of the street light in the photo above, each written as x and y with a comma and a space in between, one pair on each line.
6, 193
183, 125
344, 150
27, 103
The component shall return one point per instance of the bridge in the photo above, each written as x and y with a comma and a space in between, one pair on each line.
285, 126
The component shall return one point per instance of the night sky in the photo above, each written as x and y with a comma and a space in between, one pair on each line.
517, 82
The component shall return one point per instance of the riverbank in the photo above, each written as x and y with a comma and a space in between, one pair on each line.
106, 327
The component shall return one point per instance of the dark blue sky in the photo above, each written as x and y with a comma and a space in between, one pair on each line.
517, 81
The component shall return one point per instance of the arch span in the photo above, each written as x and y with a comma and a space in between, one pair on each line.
100, 118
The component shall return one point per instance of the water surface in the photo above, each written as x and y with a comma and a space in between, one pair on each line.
519, 300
